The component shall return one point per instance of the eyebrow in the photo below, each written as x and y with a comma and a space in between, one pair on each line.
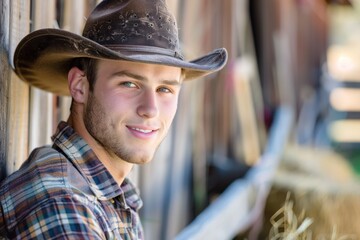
142, 78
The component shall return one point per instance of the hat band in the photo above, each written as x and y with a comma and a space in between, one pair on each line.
129, 49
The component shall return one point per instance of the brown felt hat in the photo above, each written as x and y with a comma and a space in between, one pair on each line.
131, 30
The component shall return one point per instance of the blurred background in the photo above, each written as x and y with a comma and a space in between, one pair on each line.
265, 149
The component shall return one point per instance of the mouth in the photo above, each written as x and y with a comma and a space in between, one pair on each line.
141, 130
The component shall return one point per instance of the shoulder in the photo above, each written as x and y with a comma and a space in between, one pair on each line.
45, 165
42, 161
42, 194
41, 176
58, 217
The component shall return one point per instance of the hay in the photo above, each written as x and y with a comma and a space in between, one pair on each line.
285, 224
315, 195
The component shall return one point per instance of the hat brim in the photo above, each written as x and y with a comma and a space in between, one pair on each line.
44, 56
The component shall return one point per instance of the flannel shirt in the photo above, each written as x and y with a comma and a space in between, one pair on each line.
65, 192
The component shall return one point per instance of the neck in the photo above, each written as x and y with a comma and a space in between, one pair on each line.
117, 167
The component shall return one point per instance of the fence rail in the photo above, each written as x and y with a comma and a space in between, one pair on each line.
240, 207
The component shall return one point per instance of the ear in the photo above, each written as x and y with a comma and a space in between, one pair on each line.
78, 84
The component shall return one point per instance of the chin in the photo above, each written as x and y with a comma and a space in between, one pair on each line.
144, 160
140, 160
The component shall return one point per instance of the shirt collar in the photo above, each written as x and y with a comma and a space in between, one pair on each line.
101, 183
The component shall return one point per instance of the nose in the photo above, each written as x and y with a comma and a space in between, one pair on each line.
148, 106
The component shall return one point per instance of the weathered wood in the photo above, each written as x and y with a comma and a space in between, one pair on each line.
74, 15
18, 123
246, 112
18, 101
4, 76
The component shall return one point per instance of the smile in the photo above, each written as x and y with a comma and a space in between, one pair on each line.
143, 133
142, 130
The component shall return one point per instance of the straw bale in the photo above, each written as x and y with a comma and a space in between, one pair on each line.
322, 189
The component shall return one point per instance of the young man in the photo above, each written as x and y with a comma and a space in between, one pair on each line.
124, 75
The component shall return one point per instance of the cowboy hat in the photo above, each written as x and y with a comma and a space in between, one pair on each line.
131, 30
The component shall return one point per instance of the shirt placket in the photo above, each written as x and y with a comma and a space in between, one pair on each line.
124, 213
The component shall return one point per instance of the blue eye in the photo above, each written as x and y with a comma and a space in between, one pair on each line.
128, 84
164, 90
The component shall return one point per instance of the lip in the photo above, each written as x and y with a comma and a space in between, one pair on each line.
142, 132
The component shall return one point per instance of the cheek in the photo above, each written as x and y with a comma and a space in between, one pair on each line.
112, 105
169, 110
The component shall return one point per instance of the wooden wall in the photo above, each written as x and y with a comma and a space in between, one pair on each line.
4, 88
14, 93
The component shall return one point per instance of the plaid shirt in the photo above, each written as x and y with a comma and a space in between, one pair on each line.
65, 192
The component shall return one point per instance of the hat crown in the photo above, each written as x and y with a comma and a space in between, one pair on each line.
116, 23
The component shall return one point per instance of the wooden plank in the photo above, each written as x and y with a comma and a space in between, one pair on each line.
4, 86
18, 125
74, 15
245, 108
193, 45
178, 173
18, 91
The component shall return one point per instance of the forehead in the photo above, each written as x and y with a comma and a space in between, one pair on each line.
147, 70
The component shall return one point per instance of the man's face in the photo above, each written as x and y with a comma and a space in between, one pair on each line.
131, 107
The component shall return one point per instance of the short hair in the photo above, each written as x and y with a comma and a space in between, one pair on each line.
89, 67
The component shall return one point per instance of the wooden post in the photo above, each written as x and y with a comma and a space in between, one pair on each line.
74, 16
4, 77
18, 101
